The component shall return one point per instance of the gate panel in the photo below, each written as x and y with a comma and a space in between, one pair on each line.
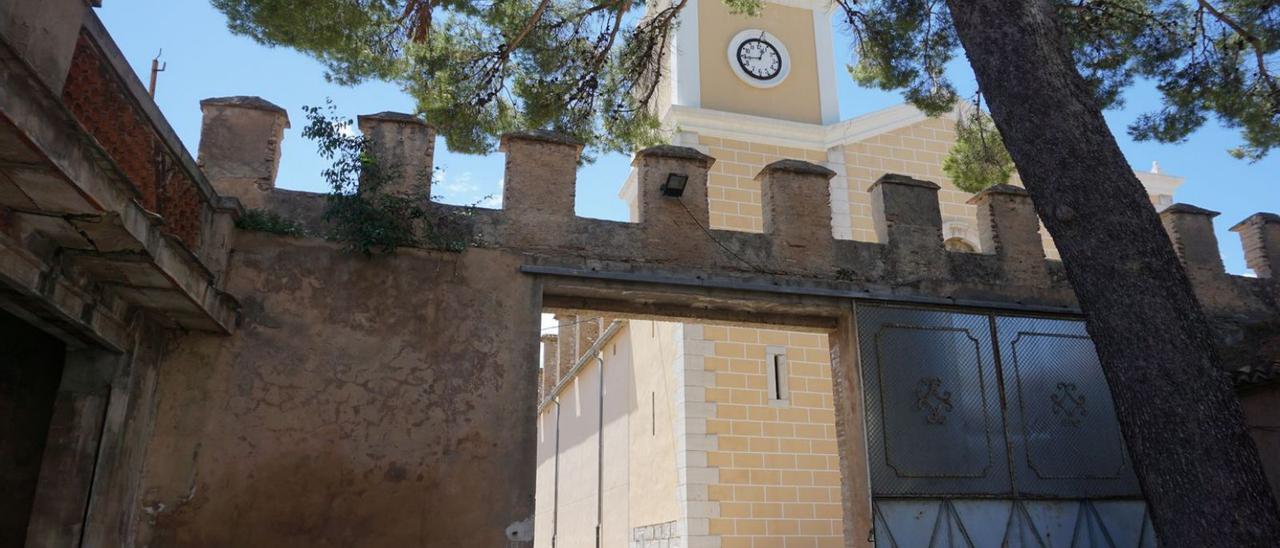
1064, 436
987, 430
933, 421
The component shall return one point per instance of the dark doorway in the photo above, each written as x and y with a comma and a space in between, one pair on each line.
30, 370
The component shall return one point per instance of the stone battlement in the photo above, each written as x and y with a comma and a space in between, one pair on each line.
672, 241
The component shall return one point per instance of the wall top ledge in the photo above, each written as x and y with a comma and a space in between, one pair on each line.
674, 151
898, 179
538, 135
1002, 188
1189, 209
796, 166
1261, 218
245, 101
389, 116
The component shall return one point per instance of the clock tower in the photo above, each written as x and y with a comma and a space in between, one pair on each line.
778, 65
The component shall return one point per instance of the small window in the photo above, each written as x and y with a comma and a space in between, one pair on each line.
776, 370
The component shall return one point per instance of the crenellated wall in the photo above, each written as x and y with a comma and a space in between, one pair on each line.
675, 238
237, 388
318, 358
673, 234
392, 400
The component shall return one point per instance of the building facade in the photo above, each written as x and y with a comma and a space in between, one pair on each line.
754, 428
173, 373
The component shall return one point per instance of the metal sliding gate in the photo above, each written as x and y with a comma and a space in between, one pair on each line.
987, 430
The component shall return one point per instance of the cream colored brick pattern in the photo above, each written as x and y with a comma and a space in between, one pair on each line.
779, 479
732, 191
916, 150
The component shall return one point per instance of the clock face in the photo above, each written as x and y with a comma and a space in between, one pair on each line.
759, 59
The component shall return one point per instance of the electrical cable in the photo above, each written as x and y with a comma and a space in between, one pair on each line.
718, 242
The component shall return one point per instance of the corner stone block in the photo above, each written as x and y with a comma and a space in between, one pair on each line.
797, 212
404, 144
1260, 235
1190, 229
909, 223
43, 34
1009, 229
240, 146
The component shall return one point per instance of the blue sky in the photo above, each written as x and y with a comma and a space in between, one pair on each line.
205, 60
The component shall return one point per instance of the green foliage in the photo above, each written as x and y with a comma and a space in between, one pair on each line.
904, 44
369, 219
1206, 57
978, 159
262, 220
592, 70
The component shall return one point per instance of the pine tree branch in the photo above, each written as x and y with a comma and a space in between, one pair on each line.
1255, 44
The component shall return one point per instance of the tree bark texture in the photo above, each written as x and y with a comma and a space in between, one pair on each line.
1197, 465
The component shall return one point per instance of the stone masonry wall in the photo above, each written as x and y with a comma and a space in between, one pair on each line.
390, 401
383, 402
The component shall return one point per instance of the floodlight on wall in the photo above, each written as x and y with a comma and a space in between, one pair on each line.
674, 187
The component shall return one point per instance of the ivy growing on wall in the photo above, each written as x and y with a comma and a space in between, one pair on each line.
361, 212
262, 220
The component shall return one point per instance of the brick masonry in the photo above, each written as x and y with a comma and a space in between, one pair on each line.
104, 107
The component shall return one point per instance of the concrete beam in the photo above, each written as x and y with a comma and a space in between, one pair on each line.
38, 130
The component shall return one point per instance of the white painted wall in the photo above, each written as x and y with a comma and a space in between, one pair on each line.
638, 456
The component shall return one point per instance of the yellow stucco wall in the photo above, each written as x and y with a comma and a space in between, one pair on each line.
796, 98
733, 194
779, 472
916, 150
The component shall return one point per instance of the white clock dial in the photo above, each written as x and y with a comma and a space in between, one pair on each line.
759, 59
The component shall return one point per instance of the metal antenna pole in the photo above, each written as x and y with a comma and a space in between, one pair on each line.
156, 68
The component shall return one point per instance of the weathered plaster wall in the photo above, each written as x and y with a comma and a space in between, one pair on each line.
370, 402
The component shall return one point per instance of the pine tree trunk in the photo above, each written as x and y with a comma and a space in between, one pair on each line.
1185, 431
